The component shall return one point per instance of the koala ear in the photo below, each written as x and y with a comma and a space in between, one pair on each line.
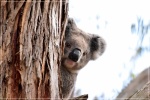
98, 46
70, 26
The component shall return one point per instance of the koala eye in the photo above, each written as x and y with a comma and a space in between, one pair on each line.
68, 45
84, 53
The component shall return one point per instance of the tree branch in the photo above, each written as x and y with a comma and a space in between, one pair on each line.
143, 93
82, 97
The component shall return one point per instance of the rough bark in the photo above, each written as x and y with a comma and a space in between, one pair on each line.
142, 94
31, 35
138, 88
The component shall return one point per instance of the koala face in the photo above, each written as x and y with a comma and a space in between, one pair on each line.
80, 47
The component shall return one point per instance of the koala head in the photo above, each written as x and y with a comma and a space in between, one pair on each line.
80, 47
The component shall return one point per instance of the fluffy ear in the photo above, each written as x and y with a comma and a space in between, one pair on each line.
98, 46
70, 26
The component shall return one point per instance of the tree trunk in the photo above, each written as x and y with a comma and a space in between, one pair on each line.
31, 44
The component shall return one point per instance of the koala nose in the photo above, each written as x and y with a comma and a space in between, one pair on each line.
75, 54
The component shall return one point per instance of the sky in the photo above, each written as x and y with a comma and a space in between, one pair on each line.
112, 20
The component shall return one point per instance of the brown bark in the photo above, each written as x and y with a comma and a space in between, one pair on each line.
31, 35
142, 94
81, 97
140, 83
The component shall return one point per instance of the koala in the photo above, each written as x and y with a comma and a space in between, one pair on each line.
80, 48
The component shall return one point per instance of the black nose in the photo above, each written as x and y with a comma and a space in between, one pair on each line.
75, 54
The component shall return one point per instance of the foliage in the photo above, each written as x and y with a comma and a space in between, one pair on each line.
141, 28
